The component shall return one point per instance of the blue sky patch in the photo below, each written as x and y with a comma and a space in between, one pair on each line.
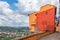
11, 2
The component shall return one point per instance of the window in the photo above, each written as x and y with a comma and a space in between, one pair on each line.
46, 12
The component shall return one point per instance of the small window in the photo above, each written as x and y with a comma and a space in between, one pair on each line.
35, 14
46, 12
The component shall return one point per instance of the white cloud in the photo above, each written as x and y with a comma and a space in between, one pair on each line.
22, 17
5, 8
1, 22
3, 17
9, 17
28, 5
4, 4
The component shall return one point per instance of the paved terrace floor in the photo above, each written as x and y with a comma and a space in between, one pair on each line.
54, 36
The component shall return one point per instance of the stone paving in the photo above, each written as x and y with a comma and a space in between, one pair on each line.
54, 36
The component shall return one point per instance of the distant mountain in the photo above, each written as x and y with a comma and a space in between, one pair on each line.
12, 29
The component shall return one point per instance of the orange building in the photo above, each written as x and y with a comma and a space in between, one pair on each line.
45, 20
32, 21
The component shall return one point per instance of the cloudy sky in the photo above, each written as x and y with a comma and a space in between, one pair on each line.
14, 12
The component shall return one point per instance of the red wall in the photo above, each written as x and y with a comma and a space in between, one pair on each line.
46, 20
